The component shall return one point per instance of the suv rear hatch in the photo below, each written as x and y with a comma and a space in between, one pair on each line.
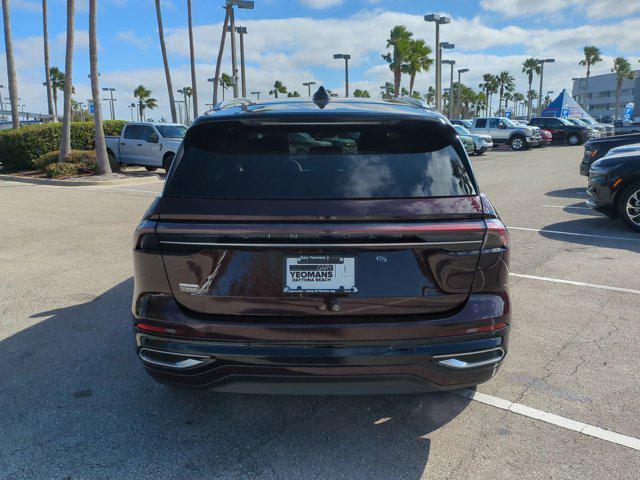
295, 218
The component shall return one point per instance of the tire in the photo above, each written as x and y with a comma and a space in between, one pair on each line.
150, 169
113, 163
518, 143
167, 160
629, 205
574, 139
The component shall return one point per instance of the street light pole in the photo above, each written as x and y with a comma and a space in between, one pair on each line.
451, 100
438, 20
257, 94
110, 100
542, 62
215, 93
346, 58
183, 91
308, 85
458, 96
242, 31
2, 102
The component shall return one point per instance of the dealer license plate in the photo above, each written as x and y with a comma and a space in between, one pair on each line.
320, 274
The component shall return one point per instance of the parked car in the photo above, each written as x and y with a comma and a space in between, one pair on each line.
547, 137
595, 132
468, 124
147, 144
504, 131
468, 144
614, 187
563, 130
261, 270
595, 149
609, 129
623, 128
481, 143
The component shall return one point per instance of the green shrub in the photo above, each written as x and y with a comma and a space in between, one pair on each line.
75, 156
67, 169
21, 148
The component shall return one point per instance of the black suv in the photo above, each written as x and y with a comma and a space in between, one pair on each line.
367, 261
598, 148
563, 130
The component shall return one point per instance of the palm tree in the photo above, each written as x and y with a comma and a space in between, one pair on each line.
490, 86
591, 57
622, 69
530, 67
65, 137
11, 64
143, 94
531, 96
47, 73
194, 87
399, 40
480, 103
418, 61
278, 87
102, 158
295, 93
225, 81
165, 60
505, 81
57, 84
518, 98
430, 96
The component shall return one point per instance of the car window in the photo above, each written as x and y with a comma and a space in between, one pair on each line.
404, 160
148, 134
481, 123
494, 122
171, 131
133, 132
461, 130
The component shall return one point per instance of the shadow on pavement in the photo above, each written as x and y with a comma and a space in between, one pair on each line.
76, 403
620, 237
578, 192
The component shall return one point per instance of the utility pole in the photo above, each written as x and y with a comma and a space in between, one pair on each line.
308, 85
110, 100
2, 103
438, 20
451, 100
459, 92
542, 62
346, 58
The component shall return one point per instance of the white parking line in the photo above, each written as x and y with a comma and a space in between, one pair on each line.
551, 418
567, 206
578, 284
588, 235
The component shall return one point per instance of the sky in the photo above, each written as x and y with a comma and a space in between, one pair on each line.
294, 41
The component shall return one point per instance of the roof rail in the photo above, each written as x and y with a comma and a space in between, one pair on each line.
234, 102
416, 102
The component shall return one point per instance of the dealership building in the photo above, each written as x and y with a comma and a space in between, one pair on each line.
600, 100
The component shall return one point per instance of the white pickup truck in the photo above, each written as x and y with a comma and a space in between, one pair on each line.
150, 145
504, 131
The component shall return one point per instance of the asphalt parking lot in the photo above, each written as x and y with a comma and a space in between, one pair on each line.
75, 403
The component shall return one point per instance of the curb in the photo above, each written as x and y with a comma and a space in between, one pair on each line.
82, 183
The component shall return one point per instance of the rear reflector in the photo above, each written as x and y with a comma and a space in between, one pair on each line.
469, 331
172, 330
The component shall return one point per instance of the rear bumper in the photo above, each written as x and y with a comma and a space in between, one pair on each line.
319, 369
396, 356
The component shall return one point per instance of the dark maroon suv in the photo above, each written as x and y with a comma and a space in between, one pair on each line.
321, 246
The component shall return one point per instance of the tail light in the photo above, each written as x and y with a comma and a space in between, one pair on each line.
177, 330
497, 235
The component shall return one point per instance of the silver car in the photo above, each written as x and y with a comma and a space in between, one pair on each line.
482, 143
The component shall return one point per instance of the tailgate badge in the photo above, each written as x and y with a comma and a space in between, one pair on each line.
381, 259
188, 287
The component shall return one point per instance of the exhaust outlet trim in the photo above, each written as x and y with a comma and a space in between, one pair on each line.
171, 359
457, 360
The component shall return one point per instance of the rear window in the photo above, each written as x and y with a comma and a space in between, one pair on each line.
405, 160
